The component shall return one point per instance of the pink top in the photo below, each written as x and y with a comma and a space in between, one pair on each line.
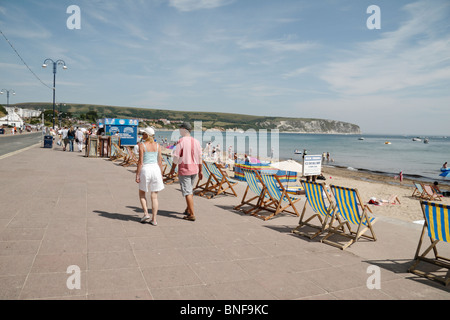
188, 156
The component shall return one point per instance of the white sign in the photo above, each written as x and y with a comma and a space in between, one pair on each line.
312, 165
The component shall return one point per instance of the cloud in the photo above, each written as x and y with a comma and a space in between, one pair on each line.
276, 45
414, 55
192, 5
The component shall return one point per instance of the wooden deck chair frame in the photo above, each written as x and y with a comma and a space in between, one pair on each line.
120, 154
430, 193
260, 197
132, 158
167, 177
207, 184
418, 190
437, 221
219, 182
316, 198
350, 208
278, 195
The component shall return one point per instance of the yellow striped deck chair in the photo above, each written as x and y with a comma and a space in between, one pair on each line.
350, 208
280, 200
319, 200
253, 185
437, 223
220, 183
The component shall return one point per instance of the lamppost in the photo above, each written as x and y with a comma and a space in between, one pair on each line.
7, 102
55, 64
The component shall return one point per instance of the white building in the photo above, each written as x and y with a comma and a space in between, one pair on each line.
15, 115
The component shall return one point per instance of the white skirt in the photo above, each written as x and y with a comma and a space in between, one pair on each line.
151, 178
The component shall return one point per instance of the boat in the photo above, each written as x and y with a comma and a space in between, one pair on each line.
426, 141
416, 139
297, 152
361, 138
387, 142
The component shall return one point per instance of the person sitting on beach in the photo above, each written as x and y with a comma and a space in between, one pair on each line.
444, 166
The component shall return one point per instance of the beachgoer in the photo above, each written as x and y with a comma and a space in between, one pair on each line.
79, 138
149, 173
71, 137
188, 157
65, 138
444, 166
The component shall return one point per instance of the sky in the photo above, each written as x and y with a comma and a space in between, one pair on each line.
386, 70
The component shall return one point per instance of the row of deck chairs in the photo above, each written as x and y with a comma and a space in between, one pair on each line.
126, 155
215, 182
426, 192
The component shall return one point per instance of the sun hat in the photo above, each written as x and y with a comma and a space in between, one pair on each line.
186, 125
149, 131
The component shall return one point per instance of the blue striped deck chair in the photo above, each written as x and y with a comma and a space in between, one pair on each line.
437, 225
253, 185
167, 177
351, 210
220, 182
418, 190
280, 200
319, 200
206, 184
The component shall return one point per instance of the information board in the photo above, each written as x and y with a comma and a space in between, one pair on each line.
312, 165
126, 129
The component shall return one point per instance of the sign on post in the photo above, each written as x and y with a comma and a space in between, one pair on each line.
126, 129
312, 165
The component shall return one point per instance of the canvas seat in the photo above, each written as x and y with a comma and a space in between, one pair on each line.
350, 208
169, 178
437, 227
319, 200
280, 200
219, 182
253, 185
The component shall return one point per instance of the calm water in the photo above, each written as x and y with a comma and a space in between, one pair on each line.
416, 159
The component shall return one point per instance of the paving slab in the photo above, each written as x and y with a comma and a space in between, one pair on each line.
60, 209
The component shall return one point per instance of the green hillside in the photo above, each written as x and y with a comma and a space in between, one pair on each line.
209, 120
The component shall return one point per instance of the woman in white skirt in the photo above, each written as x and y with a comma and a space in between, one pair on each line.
149, 173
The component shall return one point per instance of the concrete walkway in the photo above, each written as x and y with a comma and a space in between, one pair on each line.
59, 209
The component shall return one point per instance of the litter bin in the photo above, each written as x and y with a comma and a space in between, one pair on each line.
2, 131
48, 142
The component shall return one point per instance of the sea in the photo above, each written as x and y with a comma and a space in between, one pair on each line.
380, 154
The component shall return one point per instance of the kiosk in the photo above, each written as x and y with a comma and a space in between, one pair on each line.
126, 129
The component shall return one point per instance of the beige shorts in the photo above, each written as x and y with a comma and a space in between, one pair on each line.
151, 178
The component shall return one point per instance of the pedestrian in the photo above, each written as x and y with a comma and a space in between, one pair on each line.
65, 138
71, 137
188, 157
149, 173
79, 138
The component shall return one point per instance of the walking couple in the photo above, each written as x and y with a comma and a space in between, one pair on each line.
187, 156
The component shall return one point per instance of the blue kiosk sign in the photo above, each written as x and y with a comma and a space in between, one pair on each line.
127, 129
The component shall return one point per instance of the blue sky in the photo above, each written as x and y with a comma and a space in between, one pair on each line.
294, 58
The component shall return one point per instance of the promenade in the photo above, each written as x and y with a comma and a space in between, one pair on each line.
60, 209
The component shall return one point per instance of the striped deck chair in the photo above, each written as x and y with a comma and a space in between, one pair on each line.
167, 177
120, 154
202, 185
280, 200
253, 185
321, 203
430, 193
219, 183
437, 223
132, 158
418, 190
350, 208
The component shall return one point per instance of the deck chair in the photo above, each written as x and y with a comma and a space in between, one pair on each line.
280, 200
132, 158
120, 154
350, 208
203, 185
220, 183
321, 203
437, 223
430, 193
167, 177
418, 190
260, 197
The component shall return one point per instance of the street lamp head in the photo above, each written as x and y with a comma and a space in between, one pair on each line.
65, 67
44, 66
